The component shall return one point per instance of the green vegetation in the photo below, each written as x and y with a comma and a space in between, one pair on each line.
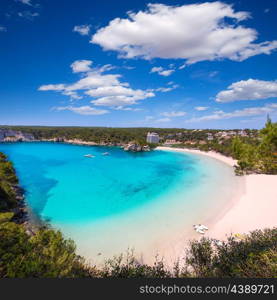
259, 157
255, 255
48, 254
256, 152
93, 134
119, 135
224, 147
8, 180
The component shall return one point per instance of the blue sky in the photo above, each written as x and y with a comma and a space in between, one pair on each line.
188, 64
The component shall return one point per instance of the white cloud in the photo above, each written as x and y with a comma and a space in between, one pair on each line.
161, 71
174, 114
203, 74
27, 2
82, 29
117, 95
166, 72
156, 69
3, 28
83, 110
218, 111
121, 100
251, 89
105, 68
149, 118
164, 89
201, 108
90, 81
81, 66
28, 15
127, 108
73, 95
107, 89
213, 74
196, 32
129, 67
162, 120
117, 90
52, 87
246, 112
152, 120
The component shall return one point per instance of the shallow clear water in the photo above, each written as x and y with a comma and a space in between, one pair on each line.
62, 185
109, 203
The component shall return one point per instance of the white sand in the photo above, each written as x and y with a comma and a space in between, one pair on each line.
228, 160
255, 209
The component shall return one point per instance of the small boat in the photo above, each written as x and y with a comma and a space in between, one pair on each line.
89, 155
200, 231
200, 228
106, 153
203, 227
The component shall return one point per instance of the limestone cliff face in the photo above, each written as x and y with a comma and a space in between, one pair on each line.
7, 135
136, 148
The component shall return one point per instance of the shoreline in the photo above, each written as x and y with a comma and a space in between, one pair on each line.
252, 207
226, 159
255, 208
71, 142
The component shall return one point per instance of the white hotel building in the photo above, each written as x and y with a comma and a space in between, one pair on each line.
152, 137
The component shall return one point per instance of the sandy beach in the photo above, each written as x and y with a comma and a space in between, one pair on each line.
228, 160
256, 208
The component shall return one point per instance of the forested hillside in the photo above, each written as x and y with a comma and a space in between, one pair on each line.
8, 180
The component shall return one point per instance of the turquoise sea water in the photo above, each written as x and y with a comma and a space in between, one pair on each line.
119, 195
63, 185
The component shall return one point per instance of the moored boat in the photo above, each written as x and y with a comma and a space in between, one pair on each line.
89, 155
200, 228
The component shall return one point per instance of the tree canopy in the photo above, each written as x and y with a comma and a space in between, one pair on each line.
260, 157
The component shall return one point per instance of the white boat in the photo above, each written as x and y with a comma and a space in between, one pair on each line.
89, 155
106, 153
200, 228
200, 231
203, 227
